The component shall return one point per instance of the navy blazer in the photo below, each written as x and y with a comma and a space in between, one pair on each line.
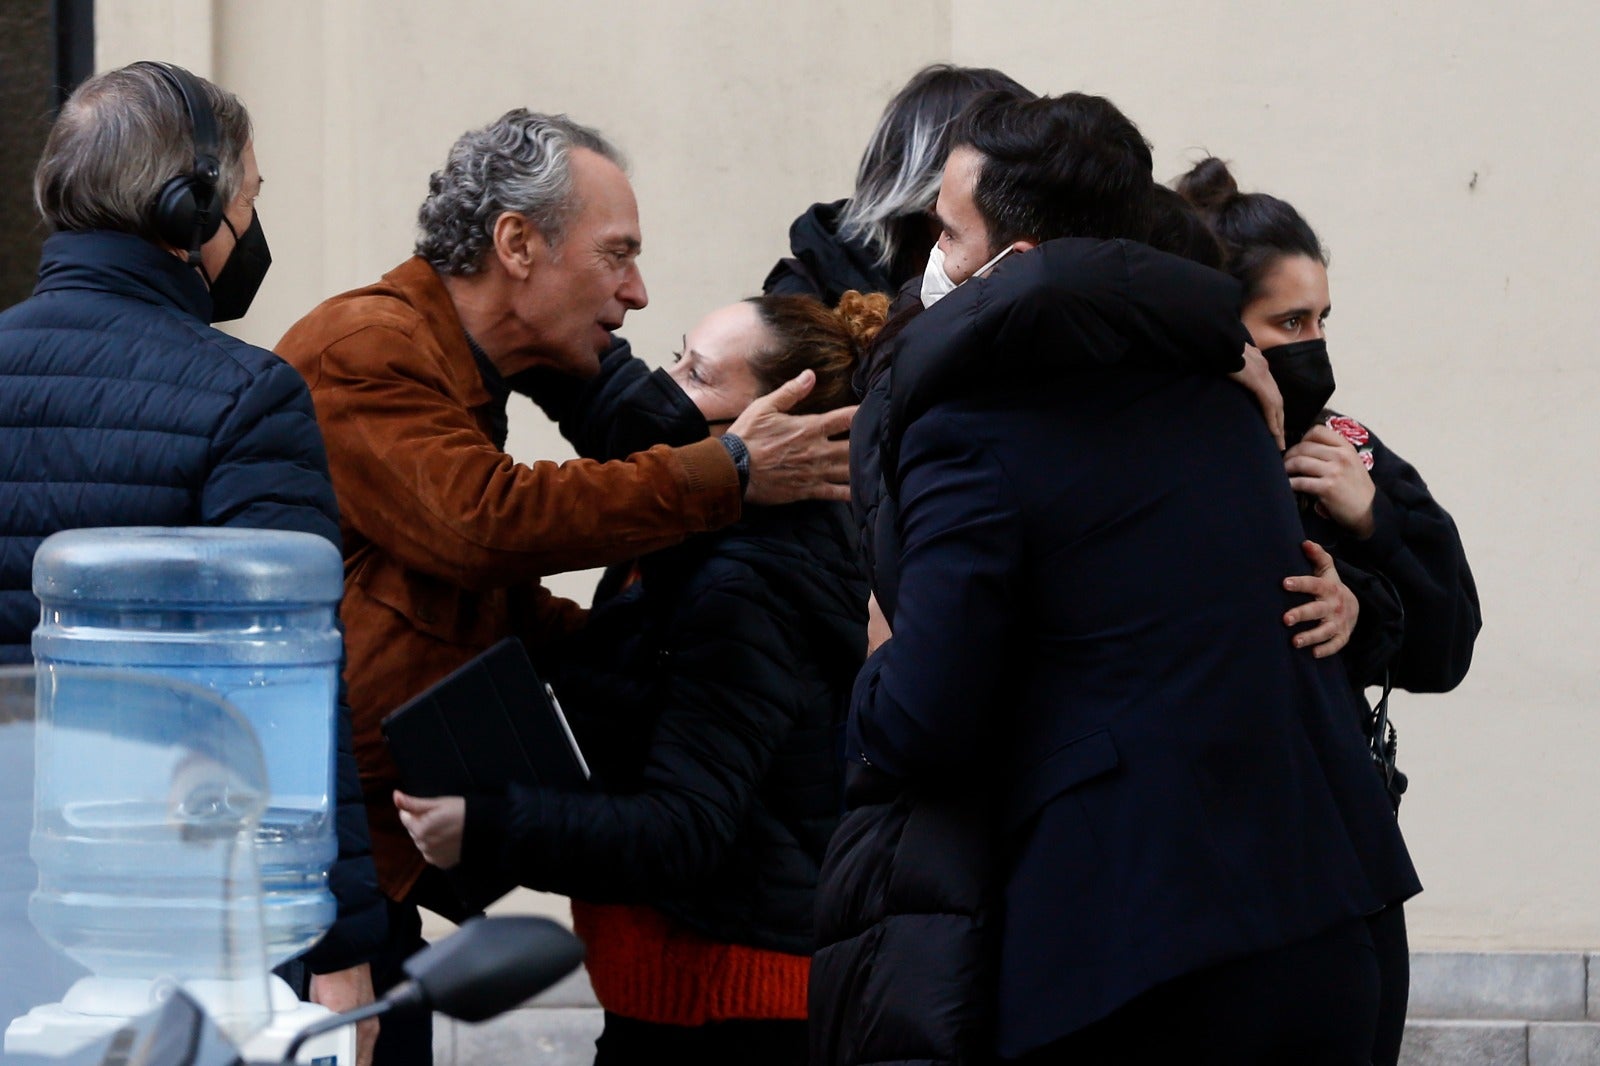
1083, 568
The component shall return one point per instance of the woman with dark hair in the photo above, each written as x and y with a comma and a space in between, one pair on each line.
1177, 228
878, 240
1395, 547
707, 690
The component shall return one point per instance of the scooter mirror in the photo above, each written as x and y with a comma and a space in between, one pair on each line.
490, 965
484, 968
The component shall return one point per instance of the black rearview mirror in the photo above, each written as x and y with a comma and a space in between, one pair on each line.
484, 968
490, 965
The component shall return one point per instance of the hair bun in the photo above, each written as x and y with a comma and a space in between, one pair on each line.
863, 315
1208, 185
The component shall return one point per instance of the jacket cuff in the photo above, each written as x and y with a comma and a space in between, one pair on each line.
1379, 628
359, 931
713, 479
1385, 541
483, 837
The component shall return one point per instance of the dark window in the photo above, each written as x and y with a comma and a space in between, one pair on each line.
46, 48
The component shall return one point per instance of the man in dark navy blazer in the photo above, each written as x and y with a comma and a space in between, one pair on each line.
1085, 587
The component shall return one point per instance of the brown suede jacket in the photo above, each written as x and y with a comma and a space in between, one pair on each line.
445, 535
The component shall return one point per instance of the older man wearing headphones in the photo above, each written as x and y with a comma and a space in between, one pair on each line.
120, 404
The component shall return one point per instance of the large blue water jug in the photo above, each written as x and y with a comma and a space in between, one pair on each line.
250, 615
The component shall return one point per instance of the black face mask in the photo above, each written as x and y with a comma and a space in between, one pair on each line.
1305, 377
236, 283
654, 410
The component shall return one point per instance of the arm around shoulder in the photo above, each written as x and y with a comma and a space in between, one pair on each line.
418, 475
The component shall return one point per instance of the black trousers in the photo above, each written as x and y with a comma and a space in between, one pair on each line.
627, 1042
408, 1041
1309, 1004
1388, 929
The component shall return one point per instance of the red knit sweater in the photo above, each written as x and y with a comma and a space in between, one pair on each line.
645, 966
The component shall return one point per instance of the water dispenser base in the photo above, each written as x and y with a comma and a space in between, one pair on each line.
61, 1028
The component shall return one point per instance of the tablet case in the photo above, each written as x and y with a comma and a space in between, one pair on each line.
490, 723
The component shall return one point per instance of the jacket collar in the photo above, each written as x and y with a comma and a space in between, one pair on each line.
835, 262
1069, 304
123, 264
420, 286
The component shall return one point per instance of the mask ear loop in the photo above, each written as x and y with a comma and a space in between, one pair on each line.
983, 270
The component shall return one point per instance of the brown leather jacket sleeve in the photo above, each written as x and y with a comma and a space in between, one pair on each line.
415, 473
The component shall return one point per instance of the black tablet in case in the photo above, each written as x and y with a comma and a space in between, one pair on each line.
490, 723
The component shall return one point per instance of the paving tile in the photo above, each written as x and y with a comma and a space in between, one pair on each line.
1563, 1044
1536, 986
537, 1036
1465, 1043
444, 1041
1593, 962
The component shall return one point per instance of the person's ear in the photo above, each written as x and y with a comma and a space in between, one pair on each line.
1024, 246
518, 245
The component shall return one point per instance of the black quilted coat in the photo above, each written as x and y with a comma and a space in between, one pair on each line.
708, 689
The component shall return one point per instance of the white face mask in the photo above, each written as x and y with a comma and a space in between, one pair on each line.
936, 284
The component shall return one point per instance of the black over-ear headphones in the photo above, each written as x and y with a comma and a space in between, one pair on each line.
186, 213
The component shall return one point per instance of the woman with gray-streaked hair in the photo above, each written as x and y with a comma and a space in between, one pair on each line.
879, 239
120, 405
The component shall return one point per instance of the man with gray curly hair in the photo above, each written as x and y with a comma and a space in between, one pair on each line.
522, 162
526, 263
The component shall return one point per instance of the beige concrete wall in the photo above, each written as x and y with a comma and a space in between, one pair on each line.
1445, 152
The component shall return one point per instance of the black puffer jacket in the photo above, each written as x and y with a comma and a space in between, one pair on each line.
709, 695
1415, 545
905, 929
824, 263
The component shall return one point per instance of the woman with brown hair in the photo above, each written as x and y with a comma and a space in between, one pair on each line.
708, 690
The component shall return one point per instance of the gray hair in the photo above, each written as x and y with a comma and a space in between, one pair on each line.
900, 171
120, 137
518, 163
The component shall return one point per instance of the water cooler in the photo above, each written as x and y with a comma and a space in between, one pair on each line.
249, 615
